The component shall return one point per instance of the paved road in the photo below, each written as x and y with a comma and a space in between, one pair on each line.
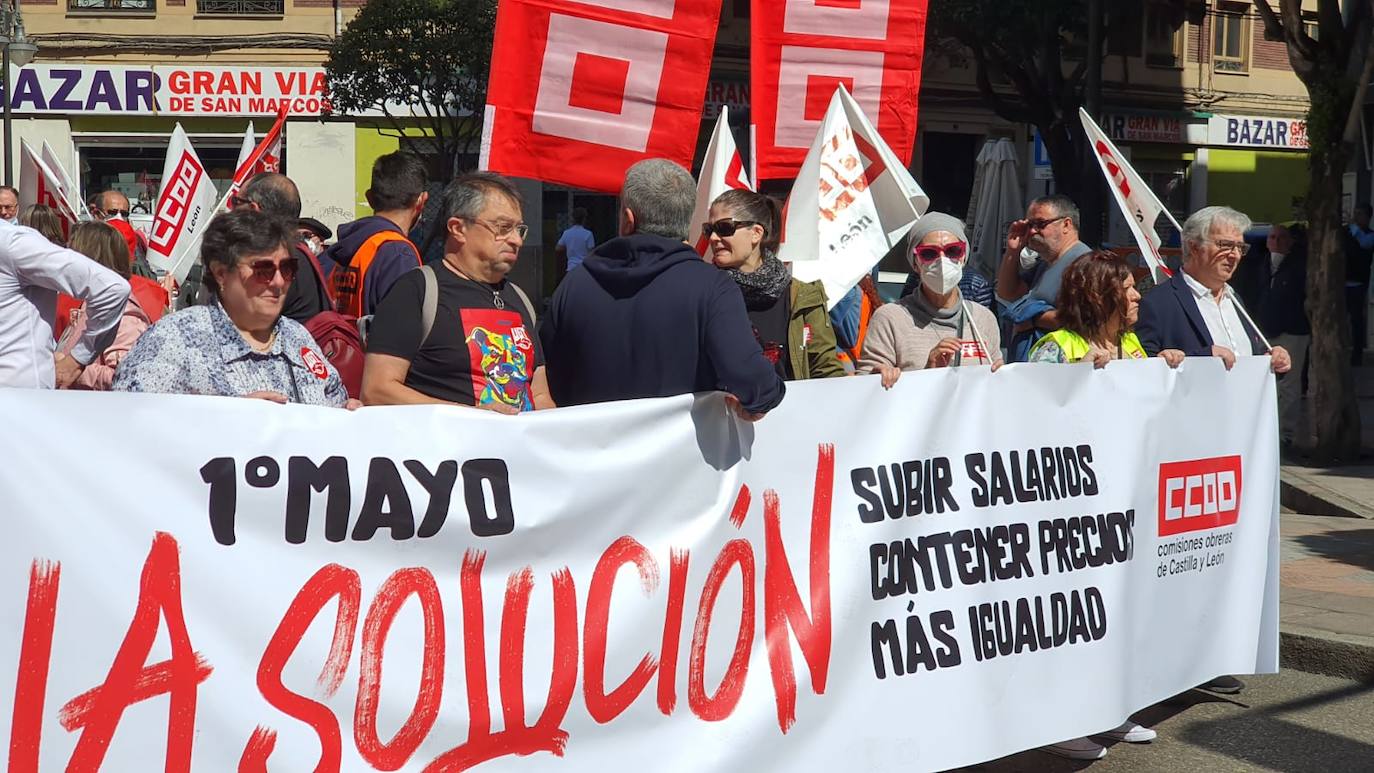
1292, 722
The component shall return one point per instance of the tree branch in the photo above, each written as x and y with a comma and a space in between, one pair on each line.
999, 105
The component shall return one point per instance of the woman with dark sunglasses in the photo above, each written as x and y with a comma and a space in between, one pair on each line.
239, 344
934, 327
789, 317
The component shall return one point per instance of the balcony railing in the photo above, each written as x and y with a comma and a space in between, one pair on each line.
241, 7
136, 6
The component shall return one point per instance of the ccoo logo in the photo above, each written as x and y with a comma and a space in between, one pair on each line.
1201, 494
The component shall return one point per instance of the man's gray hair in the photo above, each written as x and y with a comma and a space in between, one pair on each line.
466, 196
1063, 206
661, 195
1198, 228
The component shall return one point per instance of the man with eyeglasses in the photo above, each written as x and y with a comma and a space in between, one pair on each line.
1050, 230
460, 332
647, 317
9, 205
1196, 312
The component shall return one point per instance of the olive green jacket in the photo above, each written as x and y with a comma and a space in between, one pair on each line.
816, 357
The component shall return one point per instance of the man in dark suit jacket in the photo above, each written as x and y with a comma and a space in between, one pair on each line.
1195, 312
1273, 284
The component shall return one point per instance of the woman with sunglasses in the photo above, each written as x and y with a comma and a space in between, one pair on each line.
934, 327
239, 344
789, 317
1098, 305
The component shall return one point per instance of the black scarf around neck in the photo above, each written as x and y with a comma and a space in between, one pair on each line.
765, 286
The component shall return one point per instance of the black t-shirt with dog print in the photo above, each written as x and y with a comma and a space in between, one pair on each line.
476, 353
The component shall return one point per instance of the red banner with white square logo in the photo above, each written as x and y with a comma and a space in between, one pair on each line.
803, 49
582, 89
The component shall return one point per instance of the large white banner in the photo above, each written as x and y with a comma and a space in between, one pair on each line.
969, 565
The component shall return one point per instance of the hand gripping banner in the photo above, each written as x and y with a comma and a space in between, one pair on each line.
647, 584
800, 50
581, 89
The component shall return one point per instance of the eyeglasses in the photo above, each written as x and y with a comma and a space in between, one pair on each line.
725, 228
1040, 225
239, 200
124, 213
1229, 246
929, 253
503, 230
265, 270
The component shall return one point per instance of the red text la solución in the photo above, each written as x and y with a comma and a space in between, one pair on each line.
96, 713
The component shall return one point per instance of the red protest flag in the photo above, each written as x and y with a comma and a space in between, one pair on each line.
803, 49
579, 92
266, 157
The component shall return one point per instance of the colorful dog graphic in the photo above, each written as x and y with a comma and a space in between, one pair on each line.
504, 364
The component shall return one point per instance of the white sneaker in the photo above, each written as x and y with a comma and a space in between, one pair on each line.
1077, 749
1130, 732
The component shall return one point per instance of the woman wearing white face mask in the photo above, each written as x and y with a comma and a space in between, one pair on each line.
933, 327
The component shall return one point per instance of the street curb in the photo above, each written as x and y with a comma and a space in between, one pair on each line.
1329, 657
1302, 494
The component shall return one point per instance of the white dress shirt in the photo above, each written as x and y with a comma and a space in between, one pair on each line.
33, 271
1222, 319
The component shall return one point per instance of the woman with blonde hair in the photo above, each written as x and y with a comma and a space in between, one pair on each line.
45, 220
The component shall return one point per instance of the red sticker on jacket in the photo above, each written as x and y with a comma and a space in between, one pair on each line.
315, 363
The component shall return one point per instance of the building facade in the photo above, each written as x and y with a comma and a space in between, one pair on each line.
213, 66
1207, 109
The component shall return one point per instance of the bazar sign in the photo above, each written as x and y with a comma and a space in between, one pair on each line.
1127, 127
165, 90
1257, 132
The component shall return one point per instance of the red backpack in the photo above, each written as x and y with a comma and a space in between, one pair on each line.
338, 337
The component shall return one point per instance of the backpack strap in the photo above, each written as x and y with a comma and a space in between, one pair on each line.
319, 274
525, 299
429, 302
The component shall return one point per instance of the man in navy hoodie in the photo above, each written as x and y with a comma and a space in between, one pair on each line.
372, 253
648, 317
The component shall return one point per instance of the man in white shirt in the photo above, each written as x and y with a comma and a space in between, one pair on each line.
1196, 312
33, 271
577, 242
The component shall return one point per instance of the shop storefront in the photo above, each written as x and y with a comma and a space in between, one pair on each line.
1162, 147
1258, 164
110, 124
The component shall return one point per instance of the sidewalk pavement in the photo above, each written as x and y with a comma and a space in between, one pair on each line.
1326, 616
1344, 491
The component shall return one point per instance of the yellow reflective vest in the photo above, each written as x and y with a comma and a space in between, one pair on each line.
1075, 347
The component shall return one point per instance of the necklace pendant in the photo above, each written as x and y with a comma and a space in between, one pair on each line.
497, 301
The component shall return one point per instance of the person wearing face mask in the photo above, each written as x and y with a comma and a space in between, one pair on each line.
1273, 284
789, 316
313, 234
372, 253
240, 344
1039, 249
934, 327
9, 205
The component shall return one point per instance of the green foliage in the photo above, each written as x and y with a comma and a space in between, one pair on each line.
432, 55
1014, 29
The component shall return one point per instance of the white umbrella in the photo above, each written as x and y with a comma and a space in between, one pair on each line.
997, 203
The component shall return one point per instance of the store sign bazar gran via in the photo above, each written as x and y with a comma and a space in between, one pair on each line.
1253, 131
167, 90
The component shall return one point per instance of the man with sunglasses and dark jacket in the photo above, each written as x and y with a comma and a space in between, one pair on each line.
648, 317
